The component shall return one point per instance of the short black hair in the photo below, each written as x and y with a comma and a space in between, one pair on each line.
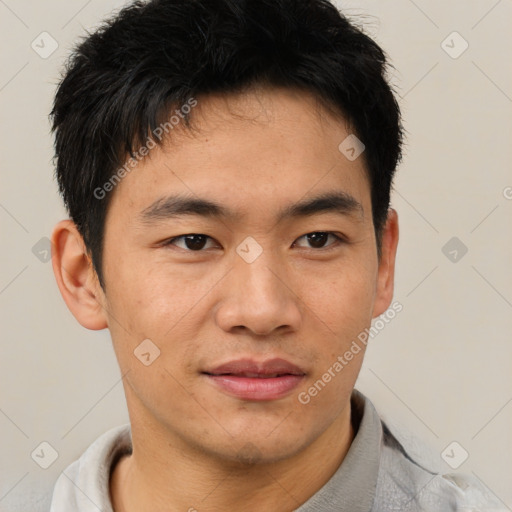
121, 81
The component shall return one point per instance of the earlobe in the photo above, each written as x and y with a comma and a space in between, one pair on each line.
386, 272
76, 278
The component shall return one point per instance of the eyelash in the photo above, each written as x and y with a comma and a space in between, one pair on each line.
339, 240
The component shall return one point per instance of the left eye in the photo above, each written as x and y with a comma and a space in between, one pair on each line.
318, 239
196, 242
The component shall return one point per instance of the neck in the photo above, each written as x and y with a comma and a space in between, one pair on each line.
162, 473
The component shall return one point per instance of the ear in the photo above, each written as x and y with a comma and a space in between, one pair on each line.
77, 281
386, 272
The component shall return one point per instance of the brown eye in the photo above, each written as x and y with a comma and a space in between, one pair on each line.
191, 242
318, 239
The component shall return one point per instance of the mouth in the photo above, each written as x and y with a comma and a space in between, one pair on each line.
247, 375
249, 380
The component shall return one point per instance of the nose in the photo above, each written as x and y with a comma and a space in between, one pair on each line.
258, 297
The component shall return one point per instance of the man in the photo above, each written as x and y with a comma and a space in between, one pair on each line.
227, 168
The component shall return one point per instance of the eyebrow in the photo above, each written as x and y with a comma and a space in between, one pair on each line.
339, 202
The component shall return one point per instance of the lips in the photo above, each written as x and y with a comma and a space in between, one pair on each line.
252, 369
250, 380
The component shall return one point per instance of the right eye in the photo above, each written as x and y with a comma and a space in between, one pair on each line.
191, 242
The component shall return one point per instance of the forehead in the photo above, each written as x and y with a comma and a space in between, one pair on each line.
249, 151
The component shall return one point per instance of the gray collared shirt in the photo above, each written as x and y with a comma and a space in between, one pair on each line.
376, 475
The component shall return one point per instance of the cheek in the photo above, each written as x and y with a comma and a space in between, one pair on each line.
145, 297
341, 299
168, 311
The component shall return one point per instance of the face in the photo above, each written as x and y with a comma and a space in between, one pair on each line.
249, 299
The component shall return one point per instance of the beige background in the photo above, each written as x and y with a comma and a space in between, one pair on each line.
440, 370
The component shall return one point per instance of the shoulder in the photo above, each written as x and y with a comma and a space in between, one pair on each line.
405, 485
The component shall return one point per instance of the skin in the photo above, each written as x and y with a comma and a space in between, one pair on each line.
194, 446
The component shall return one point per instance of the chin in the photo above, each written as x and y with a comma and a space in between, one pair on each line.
251, 450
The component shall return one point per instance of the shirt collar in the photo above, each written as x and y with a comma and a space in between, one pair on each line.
352, 488
84, 485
